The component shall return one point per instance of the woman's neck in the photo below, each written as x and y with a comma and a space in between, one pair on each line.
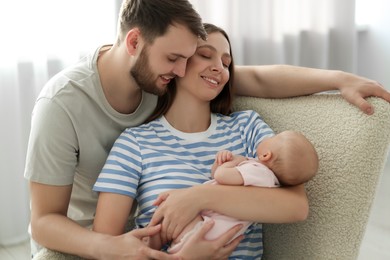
189, 117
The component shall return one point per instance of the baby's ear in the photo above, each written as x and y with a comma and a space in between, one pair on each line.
266, 156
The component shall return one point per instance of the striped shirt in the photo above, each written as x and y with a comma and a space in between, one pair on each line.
155, 157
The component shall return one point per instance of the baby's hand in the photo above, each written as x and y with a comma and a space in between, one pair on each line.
223, 156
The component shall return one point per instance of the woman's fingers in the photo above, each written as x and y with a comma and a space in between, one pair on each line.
225, 238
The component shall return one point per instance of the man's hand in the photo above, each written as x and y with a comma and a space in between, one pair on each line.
130, 246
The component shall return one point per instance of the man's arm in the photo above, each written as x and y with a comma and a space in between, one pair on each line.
52, 229
281, 81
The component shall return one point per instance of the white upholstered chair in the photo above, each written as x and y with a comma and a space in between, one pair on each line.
352, 149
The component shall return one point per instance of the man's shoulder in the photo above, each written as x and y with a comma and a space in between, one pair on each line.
81, 74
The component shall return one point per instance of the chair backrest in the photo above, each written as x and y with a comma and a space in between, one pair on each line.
352, 149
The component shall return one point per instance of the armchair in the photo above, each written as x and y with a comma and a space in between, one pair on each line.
352, 149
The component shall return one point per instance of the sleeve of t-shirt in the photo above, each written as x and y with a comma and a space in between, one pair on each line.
257, 174
256, 131
122, 171
52, 149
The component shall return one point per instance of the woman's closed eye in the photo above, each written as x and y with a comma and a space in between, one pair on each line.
226, 64
208, 53
172, 59
205, 56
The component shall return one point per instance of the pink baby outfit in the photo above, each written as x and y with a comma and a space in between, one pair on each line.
254, 173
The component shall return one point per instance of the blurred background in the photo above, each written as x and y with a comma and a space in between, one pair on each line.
41, 37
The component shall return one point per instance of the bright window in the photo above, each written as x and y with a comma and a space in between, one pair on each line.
50, 27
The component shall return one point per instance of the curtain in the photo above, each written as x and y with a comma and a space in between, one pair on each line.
318, 34
39, 38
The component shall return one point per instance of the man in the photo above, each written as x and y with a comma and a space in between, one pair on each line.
82, 110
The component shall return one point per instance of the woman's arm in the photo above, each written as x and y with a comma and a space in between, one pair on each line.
281, 81
257, 204
265, 205
112, 213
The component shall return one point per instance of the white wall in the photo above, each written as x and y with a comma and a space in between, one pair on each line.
374, 43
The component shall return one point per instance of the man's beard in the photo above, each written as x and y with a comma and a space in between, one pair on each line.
144, 76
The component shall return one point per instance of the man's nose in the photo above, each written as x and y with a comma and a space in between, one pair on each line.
180, 68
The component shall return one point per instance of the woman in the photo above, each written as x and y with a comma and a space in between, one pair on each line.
174, 153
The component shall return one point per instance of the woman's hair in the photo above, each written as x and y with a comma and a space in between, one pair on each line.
153, 17
222, 104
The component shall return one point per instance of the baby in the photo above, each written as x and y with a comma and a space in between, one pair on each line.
287, 159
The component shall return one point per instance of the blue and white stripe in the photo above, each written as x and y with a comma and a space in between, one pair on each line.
155, 157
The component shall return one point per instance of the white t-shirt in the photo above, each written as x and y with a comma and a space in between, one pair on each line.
72, 131
156, 157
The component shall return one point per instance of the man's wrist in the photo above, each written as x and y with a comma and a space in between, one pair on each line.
96, 249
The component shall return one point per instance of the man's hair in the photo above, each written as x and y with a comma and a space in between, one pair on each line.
153, 17
221, 104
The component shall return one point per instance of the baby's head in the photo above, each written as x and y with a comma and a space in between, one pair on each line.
291, 156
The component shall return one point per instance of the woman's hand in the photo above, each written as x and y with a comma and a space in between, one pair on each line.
176, 209
355, 89
281, 81
197, 247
